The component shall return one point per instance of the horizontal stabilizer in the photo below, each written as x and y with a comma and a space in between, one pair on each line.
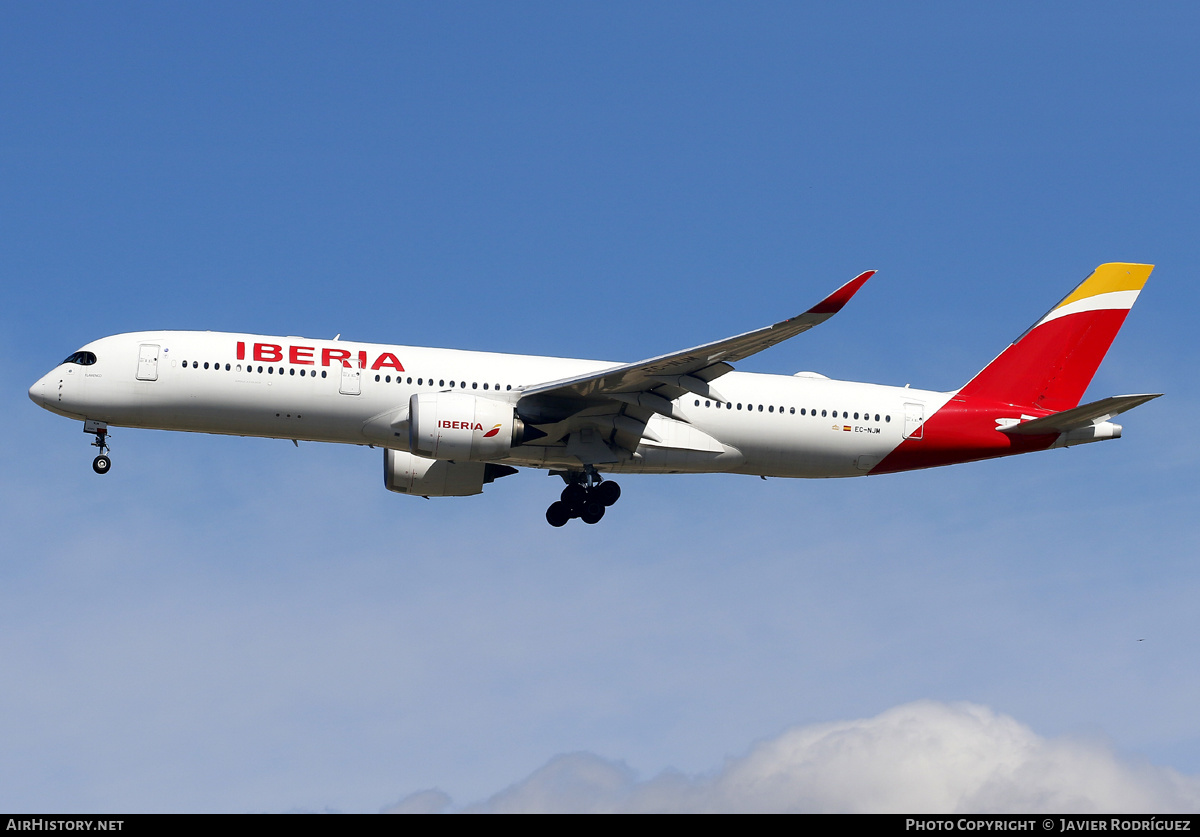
1081, 416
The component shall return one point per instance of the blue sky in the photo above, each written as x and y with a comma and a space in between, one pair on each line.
237, 625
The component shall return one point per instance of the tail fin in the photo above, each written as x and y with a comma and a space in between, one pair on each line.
1051, 364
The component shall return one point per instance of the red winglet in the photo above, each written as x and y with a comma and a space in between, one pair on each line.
836, 300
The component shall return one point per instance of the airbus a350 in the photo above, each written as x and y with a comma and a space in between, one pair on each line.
450, 422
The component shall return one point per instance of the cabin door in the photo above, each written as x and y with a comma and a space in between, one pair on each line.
914, 421
351, 378
147, 362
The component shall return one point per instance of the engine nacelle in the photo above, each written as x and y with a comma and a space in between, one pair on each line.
461, 426
406, 473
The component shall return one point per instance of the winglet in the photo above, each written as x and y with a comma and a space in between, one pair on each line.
838, 299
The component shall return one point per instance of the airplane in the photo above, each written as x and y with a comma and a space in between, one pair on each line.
451, 421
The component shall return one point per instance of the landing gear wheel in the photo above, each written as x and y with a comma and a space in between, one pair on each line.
574, 496
101, 464
592, 512
607, 492
558, 514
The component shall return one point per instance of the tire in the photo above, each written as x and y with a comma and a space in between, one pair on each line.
558, 514
101, 464
607, 492
574, 496
593, 510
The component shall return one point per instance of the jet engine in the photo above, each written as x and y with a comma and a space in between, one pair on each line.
461, 426
408, 474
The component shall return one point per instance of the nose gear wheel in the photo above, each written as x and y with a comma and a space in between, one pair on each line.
99, 429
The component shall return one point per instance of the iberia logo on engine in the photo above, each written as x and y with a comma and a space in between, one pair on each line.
462, 425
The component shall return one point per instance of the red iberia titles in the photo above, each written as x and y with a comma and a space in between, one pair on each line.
307, 356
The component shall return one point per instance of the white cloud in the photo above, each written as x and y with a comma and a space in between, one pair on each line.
924, 757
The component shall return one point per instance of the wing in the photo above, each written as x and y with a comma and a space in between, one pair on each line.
602, 416
692, 369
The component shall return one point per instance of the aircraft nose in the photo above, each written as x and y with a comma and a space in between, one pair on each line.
37, 392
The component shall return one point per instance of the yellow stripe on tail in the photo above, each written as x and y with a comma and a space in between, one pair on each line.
1115, 276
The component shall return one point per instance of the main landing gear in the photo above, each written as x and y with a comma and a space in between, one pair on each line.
586, 497
99, 429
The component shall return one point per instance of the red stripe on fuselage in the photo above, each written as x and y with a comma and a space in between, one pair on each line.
964, 430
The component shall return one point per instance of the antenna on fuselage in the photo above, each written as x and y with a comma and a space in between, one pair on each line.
337, 336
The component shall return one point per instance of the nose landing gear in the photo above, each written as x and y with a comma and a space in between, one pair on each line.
586, 496
99, 429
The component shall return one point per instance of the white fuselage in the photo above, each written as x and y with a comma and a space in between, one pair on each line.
315, 390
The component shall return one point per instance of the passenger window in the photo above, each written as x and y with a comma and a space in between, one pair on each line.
376, 379
760, 408
476, 386
697, 402
322, 373
485, 386
442, 383
822, 414
195, 364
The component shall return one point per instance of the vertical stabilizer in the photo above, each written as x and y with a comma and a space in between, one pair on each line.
1051, 364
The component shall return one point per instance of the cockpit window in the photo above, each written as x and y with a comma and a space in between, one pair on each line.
82, 358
